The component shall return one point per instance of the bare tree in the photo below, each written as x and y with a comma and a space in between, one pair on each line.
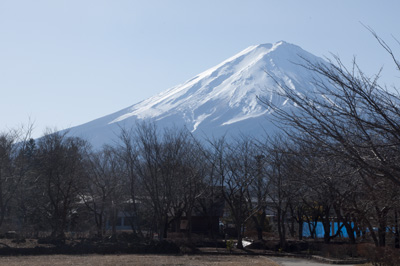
257, 193
167, 169
350, 114
280, 186
103, 187
355, 120
61, 162
14, 166
128, 152
236, 166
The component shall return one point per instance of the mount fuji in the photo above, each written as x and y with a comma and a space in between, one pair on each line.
219, 101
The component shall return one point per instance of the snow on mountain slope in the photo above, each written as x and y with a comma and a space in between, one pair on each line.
221, 100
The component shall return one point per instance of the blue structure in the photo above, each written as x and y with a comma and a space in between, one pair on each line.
320, 230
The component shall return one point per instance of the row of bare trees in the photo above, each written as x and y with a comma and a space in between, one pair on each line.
59, 184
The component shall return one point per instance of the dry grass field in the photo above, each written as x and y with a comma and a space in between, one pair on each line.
147, 260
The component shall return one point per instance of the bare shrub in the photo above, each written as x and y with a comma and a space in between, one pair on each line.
379, 256
339, 251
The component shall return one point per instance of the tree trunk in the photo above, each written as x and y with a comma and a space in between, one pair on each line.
99, 222
373, 235
396, 234
382, 236
239, 237
382, 227
327, 229
292, 230
259, 221
281, 228
301, 224
165, 230
350, 232
189, 225
114, 225
259, 233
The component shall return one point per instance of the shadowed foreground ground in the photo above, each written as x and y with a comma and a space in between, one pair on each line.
284, 261
148, 260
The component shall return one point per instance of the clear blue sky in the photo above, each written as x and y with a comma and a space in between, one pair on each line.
66, 62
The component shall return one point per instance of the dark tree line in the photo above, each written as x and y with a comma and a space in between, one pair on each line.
58, 184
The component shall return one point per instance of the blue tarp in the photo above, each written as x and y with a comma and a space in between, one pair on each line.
320, 230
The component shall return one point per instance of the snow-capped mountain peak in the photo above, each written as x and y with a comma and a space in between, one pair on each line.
221, 100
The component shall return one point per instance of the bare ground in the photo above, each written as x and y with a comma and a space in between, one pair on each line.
146, 260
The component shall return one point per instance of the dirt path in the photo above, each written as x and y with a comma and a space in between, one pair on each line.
299, 262
143, 260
